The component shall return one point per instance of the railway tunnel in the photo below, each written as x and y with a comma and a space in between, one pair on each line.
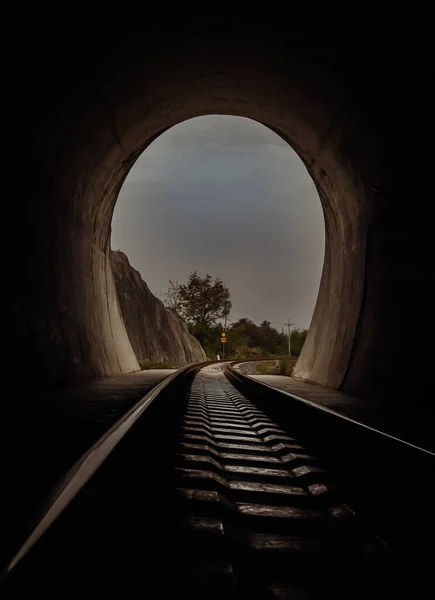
88, 94
89, 98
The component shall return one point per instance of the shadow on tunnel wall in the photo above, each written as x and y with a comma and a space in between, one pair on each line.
89, 97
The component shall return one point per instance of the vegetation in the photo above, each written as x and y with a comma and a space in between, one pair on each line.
298, 337
246, 339
145, 365
204, 304
202, 301
285, 367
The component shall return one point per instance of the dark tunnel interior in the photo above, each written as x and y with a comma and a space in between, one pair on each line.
88, 94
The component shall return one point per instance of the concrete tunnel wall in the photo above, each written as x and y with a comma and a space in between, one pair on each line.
84, 136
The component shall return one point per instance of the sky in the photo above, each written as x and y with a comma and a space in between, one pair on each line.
227, 196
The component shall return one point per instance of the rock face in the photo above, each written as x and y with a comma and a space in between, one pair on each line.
155, 333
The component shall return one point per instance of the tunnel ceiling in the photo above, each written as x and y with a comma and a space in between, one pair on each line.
90, 98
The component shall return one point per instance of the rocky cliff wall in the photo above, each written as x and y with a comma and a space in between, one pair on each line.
155, 333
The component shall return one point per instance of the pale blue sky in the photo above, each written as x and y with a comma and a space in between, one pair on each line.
225, 195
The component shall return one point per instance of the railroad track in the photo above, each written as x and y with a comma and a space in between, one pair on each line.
222, 491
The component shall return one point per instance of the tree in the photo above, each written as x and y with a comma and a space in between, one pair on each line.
246, 333
172, 298
298, 337
201, 301
248, 352
226, 312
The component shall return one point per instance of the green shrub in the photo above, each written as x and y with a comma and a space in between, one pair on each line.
248, 352
286, 366
268, 368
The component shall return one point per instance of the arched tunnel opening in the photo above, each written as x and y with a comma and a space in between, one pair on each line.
355, 113
91, 341
86, 125
71, 316
222, 195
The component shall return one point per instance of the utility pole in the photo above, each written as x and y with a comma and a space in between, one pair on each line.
288, 325
225, 331
226, 313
